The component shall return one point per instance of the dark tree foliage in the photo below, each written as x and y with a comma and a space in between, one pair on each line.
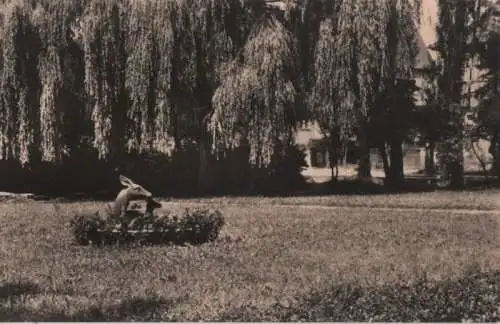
20, 86
487, 47
453, 34
363, 49
90, 87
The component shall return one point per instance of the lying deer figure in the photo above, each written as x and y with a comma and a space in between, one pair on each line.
151, 205
131, 192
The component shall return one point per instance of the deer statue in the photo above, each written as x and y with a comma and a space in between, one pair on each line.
131, 192
151, 205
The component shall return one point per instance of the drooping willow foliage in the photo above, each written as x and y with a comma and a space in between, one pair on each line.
208, 33
53, 20
141, 74
103, 43
19, 85
51, 77
150, 53
258, 92
332, 108
405, 17
358, 50
148, 68
163, 37
156, 69
10, 82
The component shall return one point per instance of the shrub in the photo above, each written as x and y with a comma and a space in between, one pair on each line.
85, 228
195, 226
283, 175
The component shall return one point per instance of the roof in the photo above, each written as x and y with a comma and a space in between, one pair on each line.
424, 57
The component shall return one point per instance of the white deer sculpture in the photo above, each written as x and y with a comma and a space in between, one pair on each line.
131, 192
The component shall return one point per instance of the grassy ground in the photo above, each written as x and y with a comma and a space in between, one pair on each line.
482, 200
268, 264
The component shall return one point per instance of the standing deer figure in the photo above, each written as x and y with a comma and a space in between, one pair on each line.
131, 192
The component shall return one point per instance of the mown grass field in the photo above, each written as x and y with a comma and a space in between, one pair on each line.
483, 200
270, 263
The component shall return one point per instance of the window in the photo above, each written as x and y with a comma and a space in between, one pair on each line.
318, 158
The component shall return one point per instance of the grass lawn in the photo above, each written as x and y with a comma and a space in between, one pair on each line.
269, 262
482, 200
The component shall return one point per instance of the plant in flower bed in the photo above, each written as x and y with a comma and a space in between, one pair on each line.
474, 297
195, 226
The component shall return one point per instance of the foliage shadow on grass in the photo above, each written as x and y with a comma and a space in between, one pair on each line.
12, 290
474, 297
149, 308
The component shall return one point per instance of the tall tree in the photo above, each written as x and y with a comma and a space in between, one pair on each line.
258, 93
360, 53
103, 39
453, 35
20, 85
60, 68
429, 119
487, 114
333, 111
390, 116
306, 19
208, 34
149, 49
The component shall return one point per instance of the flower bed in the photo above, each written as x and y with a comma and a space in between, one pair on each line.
195, 226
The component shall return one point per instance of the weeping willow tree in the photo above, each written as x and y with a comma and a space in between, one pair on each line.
59, 115
360, 53
148, 74
19, 85
207, 35
103, 40
348, 66
307, 19
163, 36
257, 95
51, 77
333, 112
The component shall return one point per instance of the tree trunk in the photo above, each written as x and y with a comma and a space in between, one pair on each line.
364, 163
430, 167
333, 163
496, 165
454, 168
451, 158
396, 171
456, 173
206, 177
333, 158
385, 160
495, 152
